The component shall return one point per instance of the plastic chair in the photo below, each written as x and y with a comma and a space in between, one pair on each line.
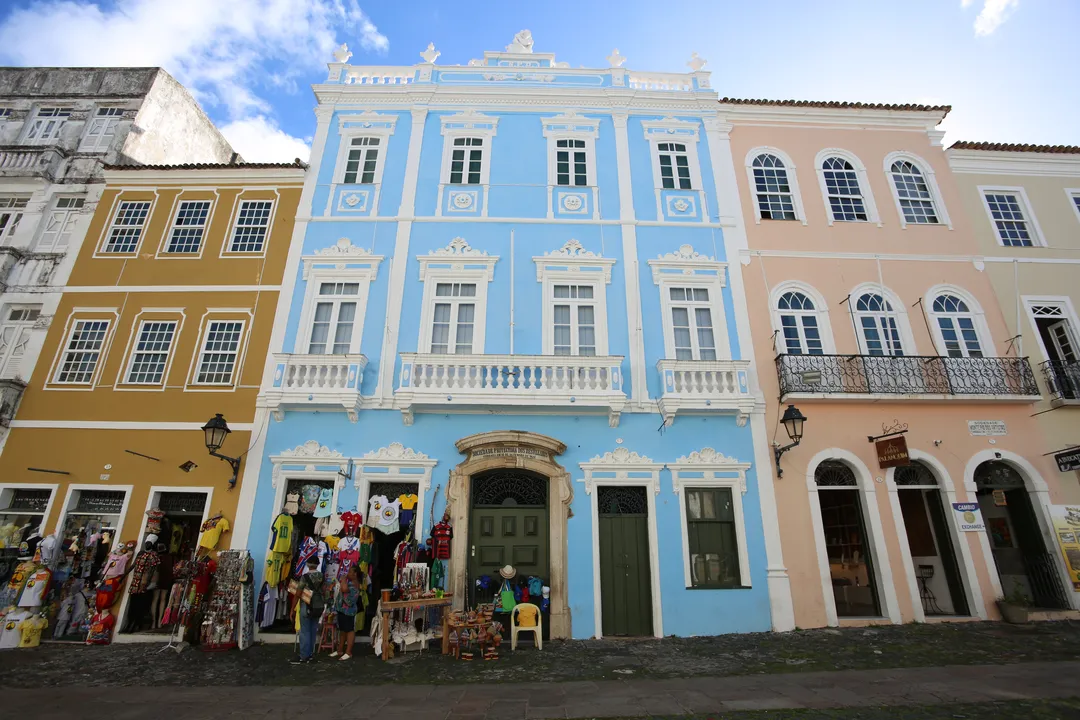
537, 630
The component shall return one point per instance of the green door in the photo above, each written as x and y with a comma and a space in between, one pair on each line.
625, 578
508, 525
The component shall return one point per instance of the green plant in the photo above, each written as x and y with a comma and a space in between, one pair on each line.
1017, 597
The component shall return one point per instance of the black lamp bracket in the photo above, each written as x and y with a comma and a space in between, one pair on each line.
780, 453
234, 463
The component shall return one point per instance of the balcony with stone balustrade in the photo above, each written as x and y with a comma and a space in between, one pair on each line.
315, 382
29, 161
705, 387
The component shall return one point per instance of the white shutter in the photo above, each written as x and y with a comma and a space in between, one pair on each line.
13, 342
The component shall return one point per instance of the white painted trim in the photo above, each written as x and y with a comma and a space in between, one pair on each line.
394, 459
718, 472
308, 457
572, 265
162, 252
1074, 199
234, 217
860, 173
51, 487
1007, 162
875, 538
468, 124
978, 316
621, 463
821, 310
67, 506
456, 263
213, 315
78, 314
175, 315
792, 175
571, 126
687, 268
114, 211
670, 130
899, 310
931, 183
359, 266
119, 425
1037, 239
1068, 311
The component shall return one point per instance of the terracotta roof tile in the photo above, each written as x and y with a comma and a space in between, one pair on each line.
1016, 147
839, 104
214, 166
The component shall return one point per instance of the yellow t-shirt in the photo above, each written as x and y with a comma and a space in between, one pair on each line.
408, 502
332, 541
30, 631
526, 616
273, 568
209, 538
283, 530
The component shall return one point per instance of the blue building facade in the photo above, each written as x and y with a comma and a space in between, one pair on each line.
510, 293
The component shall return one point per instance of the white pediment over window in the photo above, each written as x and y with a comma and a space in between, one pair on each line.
470, 119
687, 261
570, 123
621, 467
670, 128
311, 460
708, 467
372, 122
343, 255
311, 449
573, 257
458, 255
395, 451
620, 456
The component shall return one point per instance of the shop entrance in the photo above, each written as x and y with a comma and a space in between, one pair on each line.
851, 565
937, 571
625, 573
384, 545
1023, 564
508, 525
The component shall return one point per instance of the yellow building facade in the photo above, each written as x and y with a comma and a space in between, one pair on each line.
164, 324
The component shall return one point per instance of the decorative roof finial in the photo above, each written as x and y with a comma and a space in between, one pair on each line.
431, 54
523, 43
696, 63
616, 58
342, 54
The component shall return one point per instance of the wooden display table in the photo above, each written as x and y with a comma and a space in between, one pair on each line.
388, 606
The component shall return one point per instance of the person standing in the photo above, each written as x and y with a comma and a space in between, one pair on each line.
311, 606
345, 606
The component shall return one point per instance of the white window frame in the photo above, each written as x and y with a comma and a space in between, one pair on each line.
8, 489
245, 317
176, 316
792, 175
66, 217
1074, 200
821, 310
21, 331
572, 264
867, 194
467, 125
570, 126
903, 324
670, 130
226, 247
598, 302
70, 503
102, 250
455, 302
340, 263
107, 315
15, 213
978, 321
1037, 237
1068, 313
448, 265
625, 468
37, 119
929, 177
709, 469
101, 128
687, 268
166, 240
395, 463
366, 124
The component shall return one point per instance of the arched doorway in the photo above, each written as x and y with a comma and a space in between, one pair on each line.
937, 571
1023, 563
847, 542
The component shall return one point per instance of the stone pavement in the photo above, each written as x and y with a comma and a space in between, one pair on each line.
540, 701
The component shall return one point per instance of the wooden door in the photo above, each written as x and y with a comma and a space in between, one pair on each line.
625, 573
508, 525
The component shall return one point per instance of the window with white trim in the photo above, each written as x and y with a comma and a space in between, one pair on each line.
466, 161
58, 223
220, 350
362, 161
799, 324
101, 129
878, 325
574, 320
772, 190
47, 124
252, 224
188, 227
1007, 213
127, 227
711, 537
1076, 201
15, 336
674, 166
842, 189
334, 318
913, 193
692, 323
453, 318
11, 212
956, 323
82, 352
571, 162
150, 356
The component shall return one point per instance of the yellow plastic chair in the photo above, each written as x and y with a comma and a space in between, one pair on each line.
537, 630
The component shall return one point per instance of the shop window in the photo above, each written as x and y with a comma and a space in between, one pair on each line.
22, 511
710, 529
851, 566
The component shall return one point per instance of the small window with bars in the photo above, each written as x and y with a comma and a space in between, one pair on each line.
28, 500
252, 224
221, 346
151, 353
712, 538
571, 166
466, 161
674, 166
127, 227
362, 161
1010, 223
188, 227
82, 353
103, 502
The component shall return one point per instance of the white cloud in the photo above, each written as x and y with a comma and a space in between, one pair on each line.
220, 50
259, 139
992, 15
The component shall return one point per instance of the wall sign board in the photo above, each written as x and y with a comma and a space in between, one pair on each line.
892, 452
987, 428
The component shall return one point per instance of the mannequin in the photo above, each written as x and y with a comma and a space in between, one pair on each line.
143, 581
101, 625
163, 580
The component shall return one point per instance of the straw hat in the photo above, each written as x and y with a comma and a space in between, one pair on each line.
508, 572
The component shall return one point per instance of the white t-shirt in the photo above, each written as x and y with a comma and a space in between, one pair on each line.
33, 592
50, 549
10, 635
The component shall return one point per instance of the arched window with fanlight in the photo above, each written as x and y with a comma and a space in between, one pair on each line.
774, 190
915, 190
956, 325
799, 324
878, 324
843, 191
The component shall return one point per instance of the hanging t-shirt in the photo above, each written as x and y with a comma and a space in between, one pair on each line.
440, 540
153, 521
348, 554
309, 496
350, 522
30, 631
101, 626
281, 542
10, 635
116, 564
292, 503
375, 506
176, 538
33, 593
323, 506
142, 571
212, 530
49, 550
388, 518
408, 508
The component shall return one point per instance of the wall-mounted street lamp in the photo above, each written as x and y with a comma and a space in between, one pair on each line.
216, 430
793, 423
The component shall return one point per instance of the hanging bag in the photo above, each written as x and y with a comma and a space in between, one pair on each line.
507, 597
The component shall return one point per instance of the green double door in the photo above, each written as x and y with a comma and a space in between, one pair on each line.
625, 575
508, 525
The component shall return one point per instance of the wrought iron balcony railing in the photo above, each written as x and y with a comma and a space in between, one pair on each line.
1062, 379
906, 375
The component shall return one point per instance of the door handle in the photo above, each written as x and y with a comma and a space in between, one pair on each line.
473, 551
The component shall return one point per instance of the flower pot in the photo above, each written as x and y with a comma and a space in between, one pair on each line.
1015, 614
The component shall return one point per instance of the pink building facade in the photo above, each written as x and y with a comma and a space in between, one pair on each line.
871, 311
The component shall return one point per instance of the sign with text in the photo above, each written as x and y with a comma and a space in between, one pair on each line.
892, 452
987, 428
969, 517
1068, 460
1067, 528
512, 451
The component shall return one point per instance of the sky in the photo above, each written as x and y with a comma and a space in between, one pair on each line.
1006, 66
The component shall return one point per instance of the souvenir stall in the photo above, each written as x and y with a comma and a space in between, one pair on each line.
189, 601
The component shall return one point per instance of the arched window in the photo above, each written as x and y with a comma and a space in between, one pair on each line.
917, 474
913, 193
772, 189
957, 325
878, 325
799, 323
842, 190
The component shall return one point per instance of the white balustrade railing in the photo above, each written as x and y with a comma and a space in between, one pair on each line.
314, 381
33, 270
660, 81
388, 75
521, 380
19, 159
714, 385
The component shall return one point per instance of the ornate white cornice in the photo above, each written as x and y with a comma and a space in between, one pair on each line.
618, 464
670, 128
369, 121
310, 455
395, 451
470, 119
687, 261
707, 456
570, 123
620, 456
311, 449
456, 256
573, 257
344, 256
391, 460
710, 469
458, 247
